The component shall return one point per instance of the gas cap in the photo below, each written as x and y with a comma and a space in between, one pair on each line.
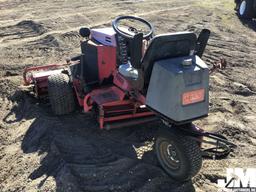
187, 62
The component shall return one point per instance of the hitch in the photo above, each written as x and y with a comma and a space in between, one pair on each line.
221, 147
217, 146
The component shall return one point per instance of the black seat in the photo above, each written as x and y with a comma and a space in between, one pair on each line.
167, 46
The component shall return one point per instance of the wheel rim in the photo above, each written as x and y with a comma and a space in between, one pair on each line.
242, 8
169, 155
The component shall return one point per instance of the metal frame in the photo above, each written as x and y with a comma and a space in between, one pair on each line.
222, 147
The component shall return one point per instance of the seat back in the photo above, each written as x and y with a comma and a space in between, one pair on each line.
89, 62
167, 46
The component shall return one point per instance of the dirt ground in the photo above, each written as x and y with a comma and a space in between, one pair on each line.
42, 152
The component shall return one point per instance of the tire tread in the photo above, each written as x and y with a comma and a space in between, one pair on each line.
191, 153
61, 94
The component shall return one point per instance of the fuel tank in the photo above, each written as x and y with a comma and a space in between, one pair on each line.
179, 89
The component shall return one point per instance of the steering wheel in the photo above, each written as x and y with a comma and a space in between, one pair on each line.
132, 30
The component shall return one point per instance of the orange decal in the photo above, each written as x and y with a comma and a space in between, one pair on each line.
193, 97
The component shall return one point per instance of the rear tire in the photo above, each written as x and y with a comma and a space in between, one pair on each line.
61, 94
246, 9
179, 155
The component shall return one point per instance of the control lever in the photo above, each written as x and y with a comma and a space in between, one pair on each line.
202, 42
136, 50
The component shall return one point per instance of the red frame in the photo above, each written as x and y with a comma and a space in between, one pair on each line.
113, 101
40, 81
29, 79
116, 107
106, 61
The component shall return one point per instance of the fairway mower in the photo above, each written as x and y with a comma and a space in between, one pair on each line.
128, 76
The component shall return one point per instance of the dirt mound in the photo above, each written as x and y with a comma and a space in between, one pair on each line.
56, 41
23, 29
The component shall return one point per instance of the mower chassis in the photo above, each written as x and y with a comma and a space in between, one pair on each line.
118, 102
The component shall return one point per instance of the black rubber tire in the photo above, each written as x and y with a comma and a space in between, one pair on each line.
249, 10
61, 94
188, 152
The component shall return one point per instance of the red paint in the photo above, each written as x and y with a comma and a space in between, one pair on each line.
121, 110
114, 101
38, 76
121, 82
122, 117
113, 114
106, 61
29, 79
87, 103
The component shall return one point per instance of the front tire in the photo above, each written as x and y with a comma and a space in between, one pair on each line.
61, 94
246, 9
179, 155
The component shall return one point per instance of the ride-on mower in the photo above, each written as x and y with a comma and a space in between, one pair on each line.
128, 76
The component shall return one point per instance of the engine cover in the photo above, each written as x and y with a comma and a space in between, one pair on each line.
106, 36
99, 61
179, 88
